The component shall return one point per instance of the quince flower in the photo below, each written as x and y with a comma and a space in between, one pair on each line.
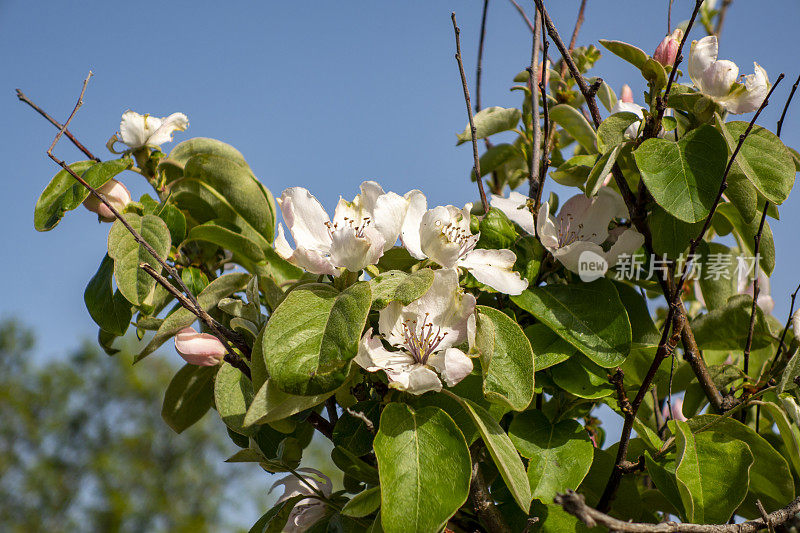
667, 49
307, 511
443, 235
581, 226
717, 78
359, 234
626, 104
202, 349
424, 334
136, 131
117, 195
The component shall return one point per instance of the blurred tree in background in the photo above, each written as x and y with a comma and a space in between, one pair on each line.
83, 448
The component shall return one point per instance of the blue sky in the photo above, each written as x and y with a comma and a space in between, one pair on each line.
317, 94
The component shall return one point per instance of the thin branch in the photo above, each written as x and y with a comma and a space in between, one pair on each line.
479, 67
481, 499
548, 126
524, 16
756, 289
764, 515
320, 424
578, 23
534, 181
136, 235
477, 162
786, 106
575, 504
23, 98
669, 18
721, 16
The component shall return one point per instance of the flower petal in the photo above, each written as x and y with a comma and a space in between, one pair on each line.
515, 207
702, 54
409, 234
453, 365
356, 250
748, 97
719, 77
493, 268
417, 380
570, 255
313, 261
200, 349
388, 215
545, 226
163, 132
372, 356
444, 234
305, 218
132, 129
628, 242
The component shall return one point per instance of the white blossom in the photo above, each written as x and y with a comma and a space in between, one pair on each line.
136, 131
745, 285
423, 336
307, 511
360, 232
717, 79
443, 235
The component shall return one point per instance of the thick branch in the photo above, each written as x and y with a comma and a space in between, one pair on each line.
575, 504
481, 500
320, 424
476, 158
535, 179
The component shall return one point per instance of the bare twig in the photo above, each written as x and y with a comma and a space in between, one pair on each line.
548, 126
765, 516
669, 18
578, 23
479, 67
477, 163
756, 289
575, 504
536, 130
23, 98
330, 408
481, 499
723, 10
524, 16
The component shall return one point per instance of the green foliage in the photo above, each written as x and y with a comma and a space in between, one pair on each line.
489, 121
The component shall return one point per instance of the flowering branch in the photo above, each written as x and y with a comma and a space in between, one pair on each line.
477, 163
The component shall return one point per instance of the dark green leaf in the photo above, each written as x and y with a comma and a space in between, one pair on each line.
189, 395
108, 308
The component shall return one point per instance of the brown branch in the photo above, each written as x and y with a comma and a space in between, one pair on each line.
756, 289
136, 235
669, 18
575, 504
320, 424
476, 158
23, 98
721, 16
481, 499
617, 380
548, 126
578, 23
534, 181
479, 67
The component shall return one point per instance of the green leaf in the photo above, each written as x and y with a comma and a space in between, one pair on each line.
654, 73
363, 504
426, 485
271, 404
64, 193
633, 55
229, 238
600, 170
576, 125
789, 432
189, 395
712, 474
590, 316
497, 231
611, 132
644, 331
665, 482
770, 476
134, 283
184, 151
671, 236
312, 336
274, 520
763, 159
489, 121
495, 157
233, 392
398, 286
502, 450
684, 177
548, 348
171, 215
578, 375
745, 233
560, 455
108, 308
208, 299
574, 171
506, 359
354, 466
352, 433
727, 328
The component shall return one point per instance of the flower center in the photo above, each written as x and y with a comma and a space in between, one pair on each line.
357, 226
465, 240
422, 341
567, 233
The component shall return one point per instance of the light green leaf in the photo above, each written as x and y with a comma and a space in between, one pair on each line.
506, 359
427, 485
134, 283
611, 132
654, 73
398, 286
491, 120
108, 308
665, 482
578, 375
497, 231
502, 450
548, 348
789, 432
227, 237
671, 236
352, 432
576, 125
495, 157
684, 177
189, 395
712, 474
274, 520
363, 504
271, 404
763, 159
312, 336
560, 455
727, 328
600, 170
574, 171
590, 316
233, 392
633, 55
218, 289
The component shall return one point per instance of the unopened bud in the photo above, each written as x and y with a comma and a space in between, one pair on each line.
116, 194
626, 95
667, 50
796, 323
200, 349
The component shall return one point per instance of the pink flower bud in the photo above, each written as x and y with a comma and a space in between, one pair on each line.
199, 349
667, 50
626, 95
677, 411
116, 194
